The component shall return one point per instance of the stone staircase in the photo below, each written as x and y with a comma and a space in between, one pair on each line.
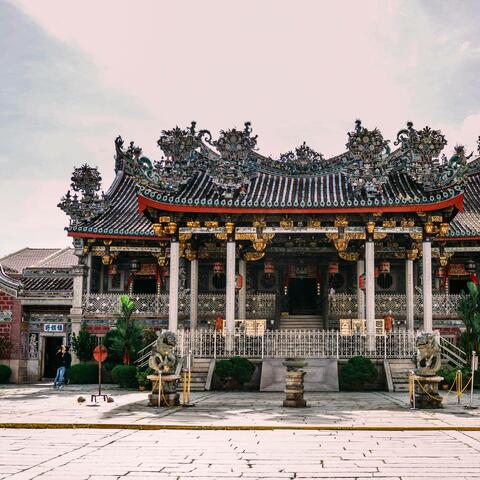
202, 371
301, 322
396, 371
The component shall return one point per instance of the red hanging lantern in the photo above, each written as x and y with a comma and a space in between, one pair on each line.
269, 267
112, 269
165, 272
384, 267
361, 282
218, 267
441, 272
333, 268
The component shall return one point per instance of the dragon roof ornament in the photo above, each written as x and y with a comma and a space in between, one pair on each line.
236, 167
367, 164
86, 181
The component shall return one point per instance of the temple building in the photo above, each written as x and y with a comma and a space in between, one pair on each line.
297, 243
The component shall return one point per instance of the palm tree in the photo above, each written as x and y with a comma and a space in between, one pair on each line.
126, 339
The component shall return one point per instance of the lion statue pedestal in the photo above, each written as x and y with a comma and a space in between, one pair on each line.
164, 362
428, 361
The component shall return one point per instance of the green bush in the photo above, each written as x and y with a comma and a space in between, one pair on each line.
448, 374
142, 377
83, 344
83, 373
125, 376
357, 372
5, 372
238, 369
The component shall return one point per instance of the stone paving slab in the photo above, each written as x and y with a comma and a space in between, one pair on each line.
39, 403
185, 454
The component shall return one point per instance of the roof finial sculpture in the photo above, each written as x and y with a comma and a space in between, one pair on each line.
181, 162
421, 150
235, 168
367, 165
86, 180
303, 160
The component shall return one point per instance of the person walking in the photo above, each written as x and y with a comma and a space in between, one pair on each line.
58, 382
67, 360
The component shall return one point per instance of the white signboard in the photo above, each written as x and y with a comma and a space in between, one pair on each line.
53, 327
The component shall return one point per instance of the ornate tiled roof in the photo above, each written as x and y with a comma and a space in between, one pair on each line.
122, 216
8, 284
312, 191
26, 257
467, 223
198, 171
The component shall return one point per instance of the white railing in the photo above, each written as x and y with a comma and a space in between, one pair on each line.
294, 343
258, 305
345, 304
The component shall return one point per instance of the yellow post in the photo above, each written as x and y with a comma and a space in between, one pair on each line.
458, 380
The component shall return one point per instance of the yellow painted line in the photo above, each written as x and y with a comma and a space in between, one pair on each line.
128, 426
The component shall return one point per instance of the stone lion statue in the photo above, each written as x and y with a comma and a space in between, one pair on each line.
428, 357
163, 359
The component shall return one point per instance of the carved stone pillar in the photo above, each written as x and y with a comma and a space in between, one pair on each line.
173, 290
193, 293
370, 290
409, 294
242, 293
76, 312
360, 292
427, 284
230, 288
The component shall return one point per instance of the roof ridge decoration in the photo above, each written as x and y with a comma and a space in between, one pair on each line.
421, 157
86, 180
181, 159
236, 167
303, 160
367, 165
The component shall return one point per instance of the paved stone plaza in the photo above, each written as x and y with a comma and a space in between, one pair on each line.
115, 453
139, 455
41, 404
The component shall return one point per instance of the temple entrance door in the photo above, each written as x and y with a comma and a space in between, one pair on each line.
49, 361
302, 296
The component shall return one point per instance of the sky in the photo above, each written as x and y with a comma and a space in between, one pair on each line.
75, 74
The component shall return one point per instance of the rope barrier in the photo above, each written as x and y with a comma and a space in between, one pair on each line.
457, 384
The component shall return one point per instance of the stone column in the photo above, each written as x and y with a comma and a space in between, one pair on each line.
409, 294
242, 293
230, 288
427, 284
89, 272
193, 293
360, 292
173, 289
370, 291
76, 312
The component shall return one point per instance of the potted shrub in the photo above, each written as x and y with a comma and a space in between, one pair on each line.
125, 376
234, 373
143, 381
5, 372
357, 372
